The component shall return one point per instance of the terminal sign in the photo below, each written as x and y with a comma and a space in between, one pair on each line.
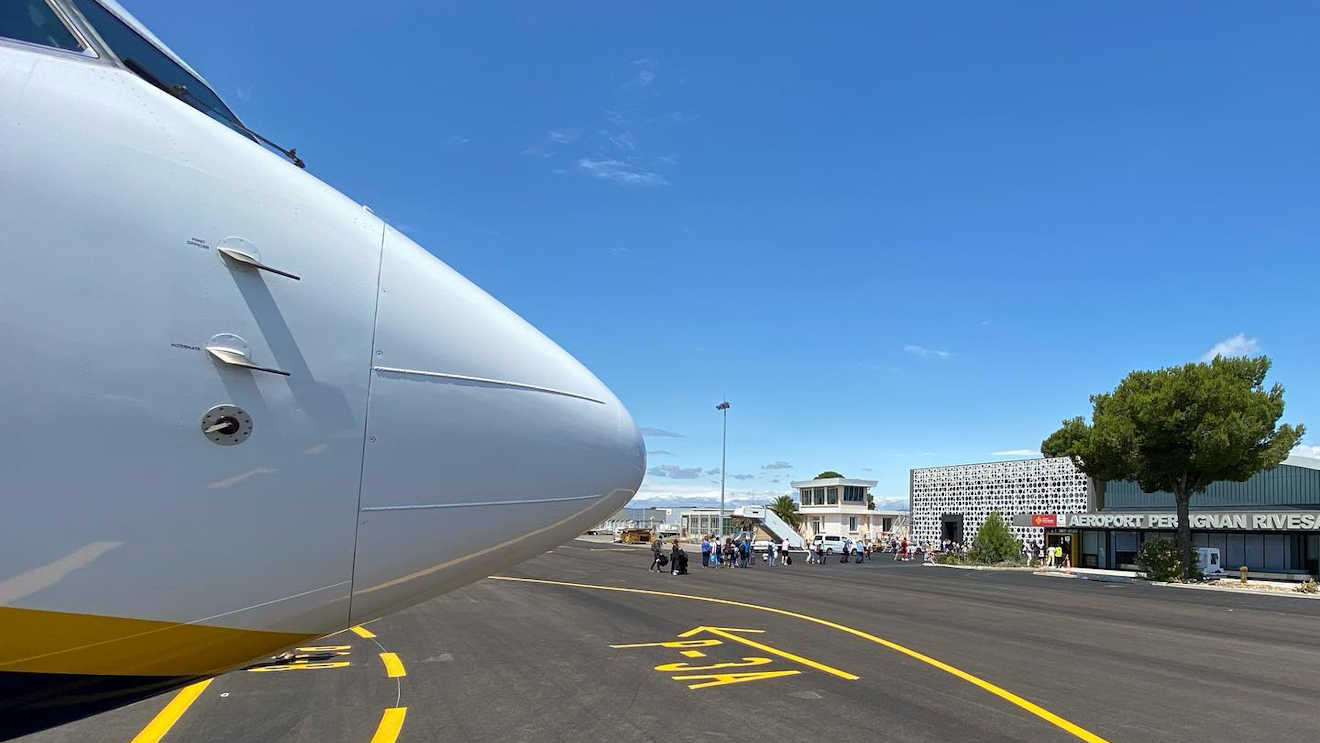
1044, 519
1231, 520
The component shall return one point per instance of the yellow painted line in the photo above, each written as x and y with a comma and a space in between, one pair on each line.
361, 631
393, 666
720, 632
165, 719
692, 654
1002, 693
391, 722
300, 665
324, 648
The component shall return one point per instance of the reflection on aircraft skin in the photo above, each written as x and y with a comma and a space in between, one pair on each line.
228, 481
27, 583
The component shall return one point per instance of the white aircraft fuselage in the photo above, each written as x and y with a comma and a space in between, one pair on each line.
241, 410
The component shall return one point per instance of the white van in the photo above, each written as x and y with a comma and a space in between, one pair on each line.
831, 543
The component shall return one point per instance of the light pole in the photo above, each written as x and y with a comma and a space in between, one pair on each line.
724, 460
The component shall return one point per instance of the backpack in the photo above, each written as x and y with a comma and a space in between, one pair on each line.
663, 561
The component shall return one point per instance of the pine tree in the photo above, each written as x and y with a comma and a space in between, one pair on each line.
994, 543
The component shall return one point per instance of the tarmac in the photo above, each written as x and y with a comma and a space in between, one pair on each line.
584, 644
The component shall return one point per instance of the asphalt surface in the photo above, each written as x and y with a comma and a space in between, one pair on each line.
511, 661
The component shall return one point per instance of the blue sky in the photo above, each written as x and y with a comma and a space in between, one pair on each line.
893, 235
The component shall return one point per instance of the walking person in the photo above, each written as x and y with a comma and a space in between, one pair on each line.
655, 555
705, 551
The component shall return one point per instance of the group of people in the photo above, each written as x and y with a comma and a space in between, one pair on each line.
851, 551
740, 552
1045, 556
676, 562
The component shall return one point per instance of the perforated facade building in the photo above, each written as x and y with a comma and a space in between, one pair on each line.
952, 502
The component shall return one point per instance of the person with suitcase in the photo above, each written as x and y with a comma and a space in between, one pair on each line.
656, 565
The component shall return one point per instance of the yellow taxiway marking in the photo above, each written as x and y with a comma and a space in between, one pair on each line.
301, 665
728, 634
692, 654
324, 648
361, 631
391, 722
1008, 696
672, 644
165, 719
393, 666
720, 679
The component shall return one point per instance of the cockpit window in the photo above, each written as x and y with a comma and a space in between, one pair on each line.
152, 65
35, 22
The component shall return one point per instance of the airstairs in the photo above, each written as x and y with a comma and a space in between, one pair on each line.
771, 522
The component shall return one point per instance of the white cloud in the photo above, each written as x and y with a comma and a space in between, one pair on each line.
925, 352
777, 465
1238, 345
564, 136
622, 140
620, 172
1306, 450
644, 78
666, 493
674, 471
1015, 453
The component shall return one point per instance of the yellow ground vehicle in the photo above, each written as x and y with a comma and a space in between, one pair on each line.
634, 536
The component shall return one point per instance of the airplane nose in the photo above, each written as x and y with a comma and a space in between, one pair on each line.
487, 443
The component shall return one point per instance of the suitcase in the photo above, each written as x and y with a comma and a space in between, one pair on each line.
663, 561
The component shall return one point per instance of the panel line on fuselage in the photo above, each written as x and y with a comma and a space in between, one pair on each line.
521, 502
485, 381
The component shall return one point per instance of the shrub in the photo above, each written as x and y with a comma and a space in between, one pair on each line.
1307, 586
994, 543
1160, 560
950, 558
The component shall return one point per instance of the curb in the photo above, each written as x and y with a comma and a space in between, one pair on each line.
976, 567
1239, 591
1100, 577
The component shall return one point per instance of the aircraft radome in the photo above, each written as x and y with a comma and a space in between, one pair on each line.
241, 411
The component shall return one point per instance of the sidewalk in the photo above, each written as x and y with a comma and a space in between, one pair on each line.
1119, 576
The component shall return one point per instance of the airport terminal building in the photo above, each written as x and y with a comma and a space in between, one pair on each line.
1270, 523
952, 502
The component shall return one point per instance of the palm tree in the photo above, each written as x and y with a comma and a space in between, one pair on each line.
786, 508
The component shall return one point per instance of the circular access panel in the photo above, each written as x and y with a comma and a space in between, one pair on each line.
227, 425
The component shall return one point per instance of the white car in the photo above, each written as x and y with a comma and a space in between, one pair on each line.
831, 543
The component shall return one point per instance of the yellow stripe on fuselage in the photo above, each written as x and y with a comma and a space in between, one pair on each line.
35, 640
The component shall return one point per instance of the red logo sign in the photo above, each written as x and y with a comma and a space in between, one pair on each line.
1044, 519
